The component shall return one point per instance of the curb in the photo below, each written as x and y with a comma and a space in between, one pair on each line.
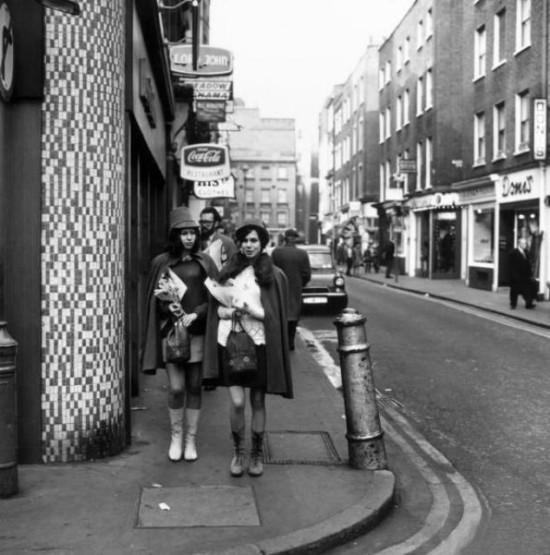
457, 301
341, 528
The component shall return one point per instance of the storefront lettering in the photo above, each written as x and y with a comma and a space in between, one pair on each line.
516, 188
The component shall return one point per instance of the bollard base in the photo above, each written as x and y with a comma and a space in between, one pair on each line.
367, 454
8, 481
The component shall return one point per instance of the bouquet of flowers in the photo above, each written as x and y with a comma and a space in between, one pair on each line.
170, 288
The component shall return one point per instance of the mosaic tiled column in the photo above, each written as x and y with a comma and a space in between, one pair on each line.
83, 233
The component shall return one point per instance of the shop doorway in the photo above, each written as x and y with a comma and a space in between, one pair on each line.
445, 245
422, 259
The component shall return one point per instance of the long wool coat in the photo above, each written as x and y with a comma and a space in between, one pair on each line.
274, 301
152, 352
295, 264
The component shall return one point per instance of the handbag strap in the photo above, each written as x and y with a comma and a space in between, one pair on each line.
236, 321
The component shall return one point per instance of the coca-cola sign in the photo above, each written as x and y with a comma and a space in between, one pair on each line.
204, 162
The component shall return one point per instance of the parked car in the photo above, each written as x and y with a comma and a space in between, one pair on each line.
327, 289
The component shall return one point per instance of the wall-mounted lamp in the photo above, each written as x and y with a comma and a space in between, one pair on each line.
67, 6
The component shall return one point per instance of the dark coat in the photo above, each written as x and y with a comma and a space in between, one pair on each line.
521, 273
274, 301
294, 262
152, 352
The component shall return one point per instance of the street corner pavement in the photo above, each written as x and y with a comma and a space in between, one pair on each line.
308, 499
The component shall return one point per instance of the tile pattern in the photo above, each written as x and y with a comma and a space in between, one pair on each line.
82, 259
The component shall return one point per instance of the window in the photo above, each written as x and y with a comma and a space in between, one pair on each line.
499, 131
388, 123
265, 216
382, 122
419, 34
499, 38
265, 197
382, 178
282, 196
381, 78
429, 24
419, 166
523, 25
282, 172
388, 71
360, 179
407, 50
428, 163
480, 52
479, 139
483, 237
266, 173
406, 106
387, 174
399, 113
360, 137
522, 122
249, 195
429, 89
361, 90
282, 219
419, 95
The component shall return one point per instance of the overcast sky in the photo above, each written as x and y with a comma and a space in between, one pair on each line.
289, 53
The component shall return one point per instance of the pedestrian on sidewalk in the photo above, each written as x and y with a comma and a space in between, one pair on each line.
294, 262
263, 315
183, 260
388, 255
521, 276
219, 246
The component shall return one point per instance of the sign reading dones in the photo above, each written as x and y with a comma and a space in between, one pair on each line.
204, 162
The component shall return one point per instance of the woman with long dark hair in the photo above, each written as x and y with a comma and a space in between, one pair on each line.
181, 261
260, 302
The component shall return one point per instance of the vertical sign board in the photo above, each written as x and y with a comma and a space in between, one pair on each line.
539, 130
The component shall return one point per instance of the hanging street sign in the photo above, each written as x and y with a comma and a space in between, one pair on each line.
212, 61
219, 188
204, 162
539, 131
210, 111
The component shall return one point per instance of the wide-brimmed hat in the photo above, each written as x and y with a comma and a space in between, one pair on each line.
180, 218
258, 225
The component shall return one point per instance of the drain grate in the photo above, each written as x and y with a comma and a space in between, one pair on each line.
295, 447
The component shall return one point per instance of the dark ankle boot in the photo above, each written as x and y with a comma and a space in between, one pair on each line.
256, 467
237, 463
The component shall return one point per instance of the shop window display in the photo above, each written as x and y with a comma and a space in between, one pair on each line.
483, 247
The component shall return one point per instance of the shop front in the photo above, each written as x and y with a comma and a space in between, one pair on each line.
436, 236
520, 198
478, 203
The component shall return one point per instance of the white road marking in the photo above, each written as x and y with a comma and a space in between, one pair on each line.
464, 532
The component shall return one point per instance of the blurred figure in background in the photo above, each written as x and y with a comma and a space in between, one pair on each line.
294, 262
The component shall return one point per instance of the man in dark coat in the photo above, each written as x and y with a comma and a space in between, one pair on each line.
521, 276
295, 264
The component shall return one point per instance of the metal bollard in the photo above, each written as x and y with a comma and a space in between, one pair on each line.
364, 432
8, 411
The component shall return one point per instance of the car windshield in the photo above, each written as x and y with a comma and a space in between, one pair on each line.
320, 260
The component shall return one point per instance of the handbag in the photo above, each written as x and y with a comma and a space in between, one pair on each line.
178, 344
240, 350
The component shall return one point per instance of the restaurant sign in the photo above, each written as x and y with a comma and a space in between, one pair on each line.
217, 188
204, 162
211, 61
